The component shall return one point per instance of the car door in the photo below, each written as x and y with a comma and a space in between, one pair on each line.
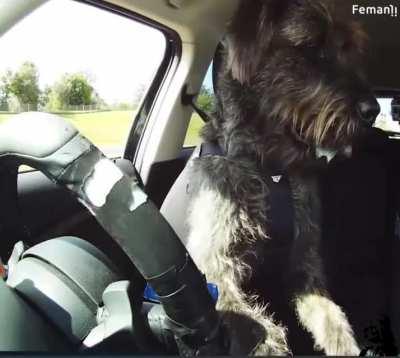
163, 174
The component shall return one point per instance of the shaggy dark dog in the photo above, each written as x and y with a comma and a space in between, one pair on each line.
292, 95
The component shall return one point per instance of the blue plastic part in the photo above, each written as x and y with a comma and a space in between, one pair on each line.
150, 295
213, 290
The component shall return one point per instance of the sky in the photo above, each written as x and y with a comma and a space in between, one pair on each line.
208, 82
66, 36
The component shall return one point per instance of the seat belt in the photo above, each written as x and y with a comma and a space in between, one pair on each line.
280, 198
190, 100
282, 211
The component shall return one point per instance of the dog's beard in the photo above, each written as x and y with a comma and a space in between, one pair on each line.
329, 131
321, 118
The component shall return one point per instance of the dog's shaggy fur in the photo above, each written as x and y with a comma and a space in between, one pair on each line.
289, 86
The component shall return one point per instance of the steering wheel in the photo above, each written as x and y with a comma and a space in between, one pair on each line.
52, 145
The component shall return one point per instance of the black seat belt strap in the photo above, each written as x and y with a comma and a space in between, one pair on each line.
280, 198
190, 100
282, 211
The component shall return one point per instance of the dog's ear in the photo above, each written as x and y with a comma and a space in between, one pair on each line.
249, 35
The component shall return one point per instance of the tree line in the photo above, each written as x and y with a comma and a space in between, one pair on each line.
21, 88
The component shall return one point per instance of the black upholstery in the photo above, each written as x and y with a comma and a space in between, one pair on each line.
357, 239
162, 175
360, 200
23, 329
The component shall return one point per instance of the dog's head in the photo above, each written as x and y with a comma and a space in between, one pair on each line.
302, 60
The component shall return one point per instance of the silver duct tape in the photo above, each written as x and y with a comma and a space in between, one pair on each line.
100, 182
105, 178
138, 197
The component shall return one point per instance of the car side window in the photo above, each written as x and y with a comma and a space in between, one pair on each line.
205, 101
388, 119
84, 63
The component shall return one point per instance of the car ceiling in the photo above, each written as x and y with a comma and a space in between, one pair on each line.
383, 56
191, 19
207, 19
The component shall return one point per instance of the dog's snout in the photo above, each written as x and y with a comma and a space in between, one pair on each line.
368, 109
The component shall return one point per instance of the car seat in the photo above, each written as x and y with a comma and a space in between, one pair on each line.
53, 296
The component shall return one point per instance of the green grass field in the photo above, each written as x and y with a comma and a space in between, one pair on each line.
111, 128
103, 128
192, 135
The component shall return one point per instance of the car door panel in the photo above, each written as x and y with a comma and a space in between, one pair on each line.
163, 174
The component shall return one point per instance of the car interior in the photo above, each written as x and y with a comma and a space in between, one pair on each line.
48, 219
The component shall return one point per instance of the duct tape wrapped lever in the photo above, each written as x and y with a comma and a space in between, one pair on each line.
52, 145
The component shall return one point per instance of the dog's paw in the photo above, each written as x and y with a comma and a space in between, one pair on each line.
340, 342
328, 325
274, 342
254, 336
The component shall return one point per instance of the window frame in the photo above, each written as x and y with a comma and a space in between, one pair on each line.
170, 60
386, 92
172, 55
